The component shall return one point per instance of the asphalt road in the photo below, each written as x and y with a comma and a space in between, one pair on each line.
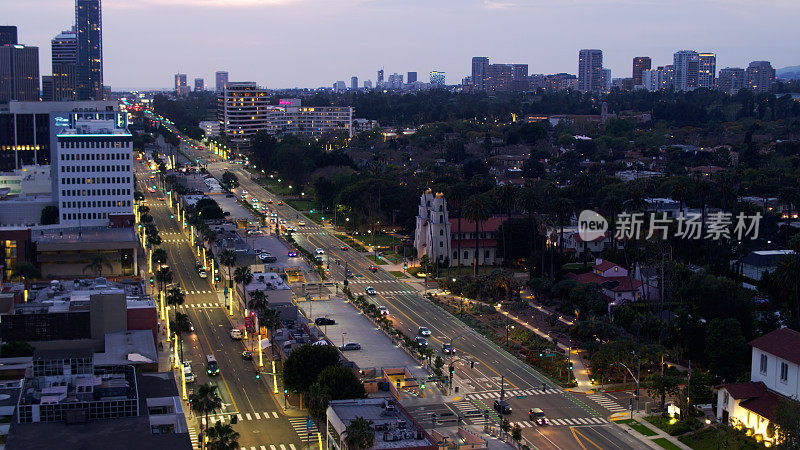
261, 420
577, 420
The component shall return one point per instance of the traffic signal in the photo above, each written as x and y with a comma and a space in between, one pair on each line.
258, 375
452, 370
172, 216
286, 392
152, 281
422, 386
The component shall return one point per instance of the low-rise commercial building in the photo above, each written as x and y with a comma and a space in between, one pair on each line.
394, 427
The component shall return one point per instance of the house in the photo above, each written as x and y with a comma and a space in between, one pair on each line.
759, 262
615, 282
574, 243
774, 376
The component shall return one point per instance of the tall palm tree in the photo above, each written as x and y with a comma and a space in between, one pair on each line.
228, 259
562, 207
477, 210
456, 196
174, 298
359, 434
25, 271
159, 257
222, 437
243, 275
507, 196
164, 276
96, 264
258, 303
531, 201
271, 318
204, 401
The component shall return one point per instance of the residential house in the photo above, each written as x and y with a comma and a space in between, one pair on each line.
757, 263
615, 282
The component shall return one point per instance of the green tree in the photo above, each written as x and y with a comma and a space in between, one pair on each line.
25, 271
477, 210
359, 434
96, 264
243, 276
49, 215
229, 181
159, 257
228, 259
516, 433
787, 423
660, 386
726, 349
304, 364
163, 277
222, 437
204, 401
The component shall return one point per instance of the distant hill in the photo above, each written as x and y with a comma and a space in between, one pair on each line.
789, 73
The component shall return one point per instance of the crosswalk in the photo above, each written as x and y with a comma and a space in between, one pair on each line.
299, 425
226, 417
200, 305
394, 292
607, 403
362, 281
194, 437
512, 393
199, 292
270, 447
571, 422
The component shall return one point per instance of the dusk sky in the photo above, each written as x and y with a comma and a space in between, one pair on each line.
311, 43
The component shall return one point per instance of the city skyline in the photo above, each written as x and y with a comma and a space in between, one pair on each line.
172, 37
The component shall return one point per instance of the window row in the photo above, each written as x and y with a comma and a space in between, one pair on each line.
84, 192
111, 168
486, 255
97, 204
83, 216
95, 156
92, 144
95, 180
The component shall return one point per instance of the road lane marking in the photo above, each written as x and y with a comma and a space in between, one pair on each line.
575, 431
208, 345
274, 414
258, 417
248, 416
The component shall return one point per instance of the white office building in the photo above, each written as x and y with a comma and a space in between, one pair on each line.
92, 169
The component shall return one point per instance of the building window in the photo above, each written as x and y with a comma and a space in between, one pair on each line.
441, 244
466, 254
784, 372
486, 254
455, 254
441, 232
763, 365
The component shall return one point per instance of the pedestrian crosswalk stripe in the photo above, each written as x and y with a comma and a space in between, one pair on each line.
239, 416
292, 447
272, 447
274, 414
283, 447
247, 415
258, 417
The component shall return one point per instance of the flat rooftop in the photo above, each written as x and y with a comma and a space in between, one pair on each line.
385, 420
54, 235
75, 295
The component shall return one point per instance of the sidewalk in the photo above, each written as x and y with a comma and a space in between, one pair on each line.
648, 440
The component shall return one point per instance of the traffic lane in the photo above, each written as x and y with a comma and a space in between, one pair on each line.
606, 437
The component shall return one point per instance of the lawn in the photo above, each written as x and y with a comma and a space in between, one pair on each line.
676, 429
397, 273
274, 187
375, 259
664, 443
638, 426
709, 439
353, 244
301, 205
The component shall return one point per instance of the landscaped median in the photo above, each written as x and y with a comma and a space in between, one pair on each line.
637, 426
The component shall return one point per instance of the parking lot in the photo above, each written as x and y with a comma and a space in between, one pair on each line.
377, 350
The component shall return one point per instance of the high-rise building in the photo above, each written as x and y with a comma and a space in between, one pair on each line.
64, 50
48, 93
242, 111
8, 35
199, 85
89, 29
760, 76
519, 78
221, 80
290, 117
411, 77
667, 77
368, 84
354, 83
498, 78
395, 81
687, 68
380, 78
640, 63
651, 79
19, 73
590, 70
180, 80
480, 68
339, 86
607, 81
92, 167
732, 79
707, 70
437, 78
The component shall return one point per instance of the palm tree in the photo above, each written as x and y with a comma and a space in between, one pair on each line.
508, 198
222, 437
531, 202
271, 318
205, 401
96, 264
228, 259
243, 275
163, 276
359, 434
174, 298
562, 207
258, 303
159, 257
477, 210
456, 196
25, 271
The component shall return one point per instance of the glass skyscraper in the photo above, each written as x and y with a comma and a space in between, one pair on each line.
89, 28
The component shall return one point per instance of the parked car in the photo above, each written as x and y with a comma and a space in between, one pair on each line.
203, 274
247, 356
370, 290
537, 415
188, 375
384, 311
324, 321
424, 331
421, 342
502, 407
448, 349
236, 334
350, 346
266, 258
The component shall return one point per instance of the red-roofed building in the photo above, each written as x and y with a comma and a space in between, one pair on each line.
617, 286
774, 376
465, 238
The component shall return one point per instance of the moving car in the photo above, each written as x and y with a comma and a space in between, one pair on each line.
344, 248
188, 375
537, 415
291, 254
302, 223
319, 251
424, 331
373, 269
247, 356
370, 290
324, 321
448, 349
502, 407
383, 310
203, 274
267, 258
236, 334
421, 342
212, 368
280, 203
350, 346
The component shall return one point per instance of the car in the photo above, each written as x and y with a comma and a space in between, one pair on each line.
268, 258
280, 203
502, 407
537, 416
384, 311
421, 342
370, 290
291, 254
424, 331
258, 251
324, 321
247, 356
203, 274
319, 251
253, 232
344, 248
373, 269
319, 259
448, 349
282, 221
198, 266
350, 346
188, 375
236, 334
212, 368
302, 223
270, 202
162, 199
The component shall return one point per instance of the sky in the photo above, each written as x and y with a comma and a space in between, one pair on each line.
312, 43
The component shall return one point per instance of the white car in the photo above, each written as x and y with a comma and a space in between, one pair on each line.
320, 251
424, 331
370, 290
203, 274
187, 371
302, 223
383, 310
237, 334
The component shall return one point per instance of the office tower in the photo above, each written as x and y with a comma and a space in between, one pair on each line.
8, 35
368, 84
380, 77
64, 50
590, 70
339, 86
199, 85
48, 93
354, 83
498, 78
412, 77
760, 76
667, 77
651, 79
687, 67
290, 117
395, 81
89, 28
180, 80
519, 78
731, 79
707, 70
92, 166
480, 67
437, 78
606, 82
242, 111
640, 63
19, 73
221, 80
